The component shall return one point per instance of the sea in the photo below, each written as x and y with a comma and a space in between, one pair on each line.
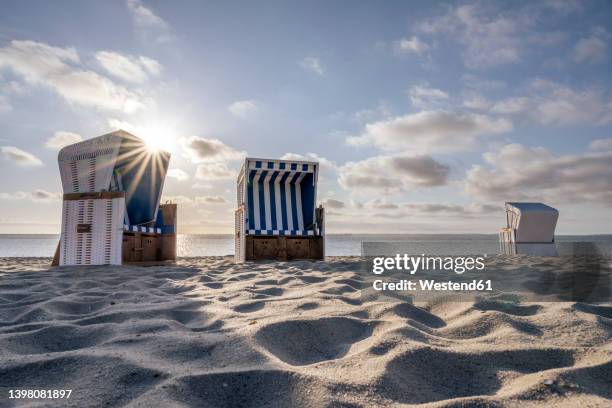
21, 245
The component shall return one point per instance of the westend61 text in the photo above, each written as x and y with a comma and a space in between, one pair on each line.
432, 285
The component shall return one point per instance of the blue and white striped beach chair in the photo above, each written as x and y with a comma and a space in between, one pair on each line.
277, 216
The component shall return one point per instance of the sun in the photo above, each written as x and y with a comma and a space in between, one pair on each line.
158, 137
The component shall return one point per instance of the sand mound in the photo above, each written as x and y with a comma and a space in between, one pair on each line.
209, 333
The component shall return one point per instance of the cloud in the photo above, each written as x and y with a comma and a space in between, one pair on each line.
332, 203
430, 131
243, 108
178, 174
127, 67
149, 23
592, 49
517, 172
412, 45
58, 69
364, 115
38, 195
490, 37
195, 201
214, 199
214, 171
511, 106
19, 156
62, 138
5, 105
423, 96
326, 166
199, 149
601, 144
393, 174
452, 209
551, 103
379, 204
178, 199
44, 196
312, 64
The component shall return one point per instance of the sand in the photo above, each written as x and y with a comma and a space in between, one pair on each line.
208, 333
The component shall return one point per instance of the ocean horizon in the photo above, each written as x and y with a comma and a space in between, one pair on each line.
198, 245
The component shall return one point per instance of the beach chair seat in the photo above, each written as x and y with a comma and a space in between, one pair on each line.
277, 200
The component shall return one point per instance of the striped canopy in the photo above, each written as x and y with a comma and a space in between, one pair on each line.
279, 196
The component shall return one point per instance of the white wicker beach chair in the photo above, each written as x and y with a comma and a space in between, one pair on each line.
112, 187
530, 229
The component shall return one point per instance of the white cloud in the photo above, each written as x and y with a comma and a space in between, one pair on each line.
511, 106
149, 23
199, 149
178, 174
62, 138
127, 67
151, 65
452, 209
412, 44
243, 108
423, 96
490, 36
517, 172
19, 156
214, 199
393, 174
333, 203
364, 115
551, 103
378, 204
37, 195
195, 201
601, 144
477, 102
326, 166
312, 64
144, 16
430, 131
5, 105
592, 49
214, 171
59, 69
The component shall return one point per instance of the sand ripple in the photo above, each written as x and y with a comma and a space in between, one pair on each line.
209, 333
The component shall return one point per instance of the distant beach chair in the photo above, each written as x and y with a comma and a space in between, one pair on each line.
111, 212
530, 229
277, 217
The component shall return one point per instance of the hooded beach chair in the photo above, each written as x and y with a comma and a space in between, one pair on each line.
111, 212
277, 217
530, 229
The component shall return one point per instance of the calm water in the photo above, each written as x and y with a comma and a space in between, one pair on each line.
336, 245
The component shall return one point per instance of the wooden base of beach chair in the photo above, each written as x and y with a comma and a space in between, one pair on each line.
139, 247
283, 248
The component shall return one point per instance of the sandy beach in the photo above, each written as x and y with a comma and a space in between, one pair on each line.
209, 333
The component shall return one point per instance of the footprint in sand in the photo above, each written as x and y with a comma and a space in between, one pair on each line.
303, 342
249, 307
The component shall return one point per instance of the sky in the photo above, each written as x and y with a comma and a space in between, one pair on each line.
425, 117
